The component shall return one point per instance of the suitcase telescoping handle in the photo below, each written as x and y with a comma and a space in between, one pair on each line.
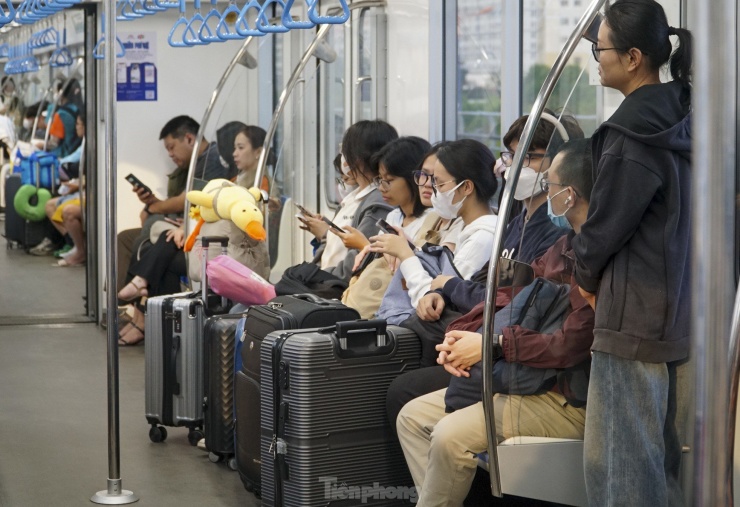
361, 337
205, 242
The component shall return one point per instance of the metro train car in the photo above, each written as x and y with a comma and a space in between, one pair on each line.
137, 367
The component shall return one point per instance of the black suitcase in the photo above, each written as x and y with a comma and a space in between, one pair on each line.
325, 436
20, 232
284, 312
221, 340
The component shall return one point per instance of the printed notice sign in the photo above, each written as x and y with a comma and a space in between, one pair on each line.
136, 71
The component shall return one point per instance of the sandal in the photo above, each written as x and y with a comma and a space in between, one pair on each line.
125, 343
139, 293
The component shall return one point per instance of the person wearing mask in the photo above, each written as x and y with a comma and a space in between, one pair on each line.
463, 184
440, 443
633, 262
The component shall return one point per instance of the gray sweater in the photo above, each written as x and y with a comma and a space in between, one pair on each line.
372, 208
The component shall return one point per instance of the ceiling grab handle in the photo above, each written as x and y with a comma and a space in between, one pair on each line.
239, 57
584, 27
263, 21
179, 42
288, 21
329, 20
242, 23
206, 33
195, 25
283, 100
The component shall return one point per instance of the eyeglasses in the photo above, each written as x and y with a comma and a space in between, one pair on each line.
384, 184
507, 158
421, 178
545, 185
436, 184
597, 51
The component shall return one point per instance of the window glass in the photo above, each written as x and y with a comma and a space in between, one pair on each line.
478, 95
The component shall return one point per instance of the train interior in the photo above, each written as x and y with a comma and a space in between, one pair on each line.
438, 70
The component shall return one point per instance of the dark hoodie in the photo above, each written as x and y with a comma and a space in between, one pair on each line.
633, 250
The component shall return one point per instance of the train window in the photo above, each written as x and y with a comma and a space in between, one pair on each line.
479, 72
369, 65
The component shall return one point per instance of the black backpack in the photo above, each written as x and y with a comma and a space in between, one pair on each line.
310, 278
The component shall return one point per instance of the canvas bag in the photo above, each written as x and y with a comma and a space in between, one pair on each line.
396, 306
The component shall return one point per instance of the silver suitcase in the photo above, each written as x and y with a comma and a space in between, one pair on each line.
174, 362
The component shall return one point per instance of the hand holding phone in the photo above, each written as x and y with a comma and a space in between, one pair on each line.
334, 226
304, 211
386, 227
136, 182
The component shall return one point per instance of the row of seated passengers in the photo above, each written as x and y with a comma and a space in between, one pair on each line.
442, 194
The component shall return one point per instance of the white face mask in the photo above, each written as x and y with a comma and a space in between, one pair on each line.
344, 166
27, 123
528, 184
344, 190
442, 203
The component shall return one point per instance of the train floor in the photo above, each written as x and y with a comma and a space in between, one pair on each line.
53, 407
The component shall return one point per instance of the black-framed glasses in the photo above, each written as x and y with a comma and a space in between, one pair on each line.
421, 178
507, 158
596, 51
380, 182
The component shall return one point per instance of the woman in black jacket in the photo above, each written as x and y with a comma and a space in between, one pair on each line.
632, 260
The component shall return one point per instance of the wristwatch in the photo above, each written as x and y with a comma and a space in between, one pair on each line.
498, 350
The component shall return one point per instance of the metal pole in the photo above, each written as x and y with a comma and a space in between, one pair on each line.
498, 238
115, 494
309, 53
712, 201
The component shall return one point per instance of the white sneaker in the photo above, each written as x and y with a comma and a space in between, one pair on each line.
46, 247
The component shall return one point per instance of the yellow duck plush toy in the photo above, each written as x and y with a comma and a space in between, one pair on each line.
222, 199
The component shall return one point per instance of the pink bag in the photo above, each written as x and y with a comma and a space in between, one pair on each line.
235, 281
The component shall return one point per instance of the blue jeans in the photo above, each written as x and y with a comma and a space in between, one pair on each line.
632, 451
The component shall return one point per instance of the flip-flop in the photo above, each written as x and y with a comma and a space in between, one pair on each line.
124, 343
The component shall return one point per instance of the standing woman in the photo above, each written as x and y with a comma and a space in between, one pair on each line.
632, 260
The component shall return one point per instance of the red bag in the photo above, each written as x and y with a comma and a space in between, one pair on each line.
235, 281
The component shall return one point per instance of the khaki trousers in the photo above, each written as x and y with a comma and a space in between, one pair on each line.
441, 448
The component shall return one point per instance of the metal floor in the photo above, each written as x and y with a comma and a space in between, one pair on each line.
53, 408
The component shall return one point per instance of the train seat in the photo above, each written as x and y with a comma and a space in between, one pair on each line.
549, 469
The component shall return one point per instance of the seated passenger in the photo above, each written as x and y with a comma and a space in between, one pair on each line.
361, 209
528, 235
397, 162
463, 182
178, 136
69, 192
441, 448
63, 138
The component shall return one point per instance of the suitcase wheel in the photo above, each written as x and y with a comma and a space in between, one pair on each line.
232, 464
194, 437
157, 434
214, 458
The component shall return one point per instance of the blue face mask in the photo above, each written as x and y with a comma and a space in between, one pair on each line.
558, 220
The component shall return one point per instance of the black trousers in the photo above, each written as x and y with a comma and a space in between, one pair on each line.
161, 265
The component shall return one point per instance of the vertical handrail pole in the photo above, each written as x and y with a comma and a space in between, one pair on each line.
489, 309
713, 208
114, 495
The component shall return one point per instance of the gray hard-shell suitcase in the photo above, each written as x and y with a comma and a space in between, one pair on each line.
299, 311
325, 438
174, 363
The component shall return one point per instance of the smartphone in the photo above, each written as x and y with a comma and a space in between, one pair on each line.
137, 182
386, 227
334, 226
304, 211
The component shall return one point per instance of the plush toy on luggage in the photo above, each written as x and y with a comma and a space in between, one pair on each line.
224, 200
